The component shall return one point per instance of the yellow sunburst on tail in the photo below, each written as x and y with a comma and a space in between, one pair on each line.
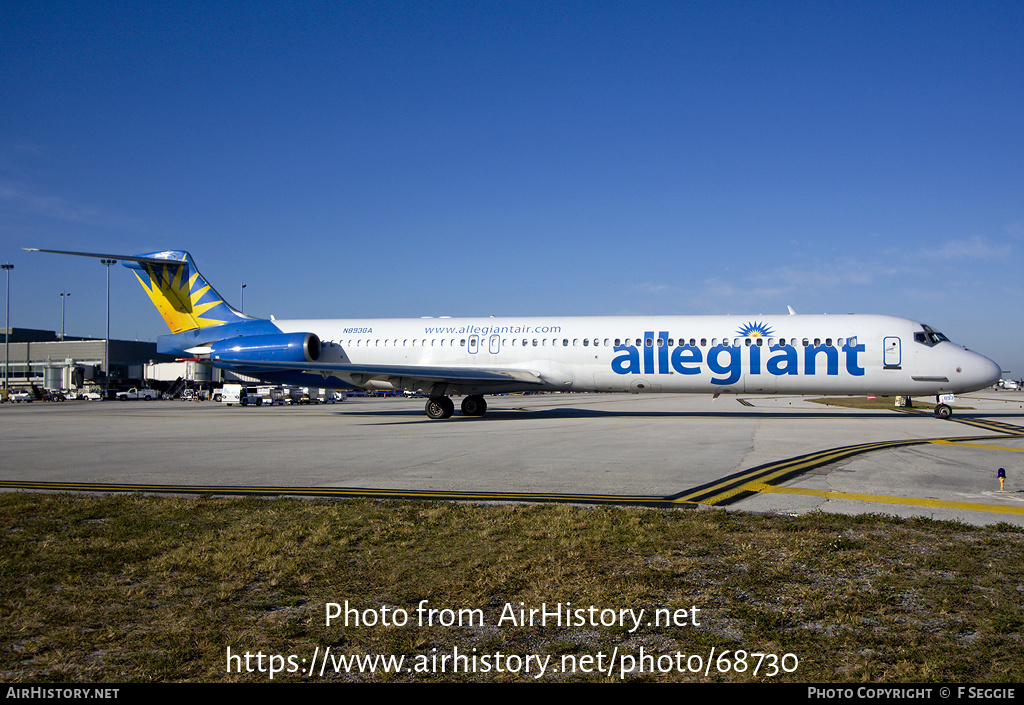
177, 302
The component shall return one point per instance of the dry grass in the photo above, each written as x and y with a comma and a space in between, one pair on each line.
130, 588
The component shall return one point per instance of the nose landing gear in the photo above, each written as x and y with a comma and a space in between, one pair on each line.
942, 410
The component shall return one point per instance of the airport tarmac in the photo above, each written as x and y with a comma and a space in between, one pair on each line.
646, 449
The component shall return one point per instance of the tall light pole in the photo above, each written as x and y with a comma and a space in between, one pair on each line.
106, 340
7, 329
241, 305
63, 297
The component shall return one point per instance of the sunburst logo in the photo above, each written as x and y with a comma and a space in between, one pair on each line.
755, 330
180, 302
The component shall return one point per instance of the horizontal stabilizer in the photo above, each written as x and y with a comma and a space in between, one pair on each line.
166, 261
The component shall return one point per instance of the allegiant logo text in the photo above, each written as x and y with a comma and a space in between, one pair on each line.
726, 361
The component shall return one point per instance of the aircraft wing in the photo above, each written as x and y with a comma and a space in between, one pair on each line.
361, 374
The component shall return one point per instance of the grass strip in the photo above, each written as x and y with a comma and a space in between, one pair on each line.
135, 588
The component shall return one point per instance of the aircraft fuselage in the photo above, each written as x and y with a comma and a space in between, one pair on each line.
798, 354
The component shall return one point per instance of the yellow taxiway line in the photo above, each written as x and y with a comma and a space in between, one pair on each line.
887, 499
969, 444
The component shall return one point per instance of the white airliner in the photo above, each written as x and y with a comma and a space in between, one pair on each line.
794, 354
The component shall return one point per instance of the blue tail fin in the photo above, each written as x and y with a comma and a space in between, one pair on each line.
182, 295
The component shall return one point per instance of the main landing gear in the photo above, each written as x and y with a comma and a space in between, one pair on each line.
474, 405
444, 407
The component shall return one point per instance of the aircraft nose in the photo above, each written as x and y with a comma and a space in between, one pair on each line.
995, 372
985, 371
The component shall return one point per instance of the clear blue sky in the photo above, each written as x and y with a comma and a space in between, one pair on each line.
358, 159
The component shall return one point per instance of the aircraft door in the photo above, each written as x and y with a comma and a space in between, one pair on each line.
892, 356
494, 344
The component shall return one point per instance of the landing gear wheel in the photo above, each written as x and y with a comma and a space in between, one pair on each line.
474, 405
943, 411
440, 408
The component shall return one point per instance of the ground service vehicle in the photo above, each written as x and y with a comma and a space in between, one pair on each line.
242, 395
136, 393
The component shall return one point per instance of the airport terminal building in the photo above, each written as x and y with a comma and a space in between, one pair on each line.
42, 359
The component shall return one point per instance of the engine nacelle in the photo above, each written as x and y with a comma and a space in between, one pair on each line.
279, 347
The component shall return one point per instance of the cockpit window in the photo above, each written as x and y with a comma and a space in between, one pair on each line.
929, 337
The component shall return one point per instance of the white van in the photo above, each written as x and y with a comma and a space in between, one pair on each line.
241, 395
